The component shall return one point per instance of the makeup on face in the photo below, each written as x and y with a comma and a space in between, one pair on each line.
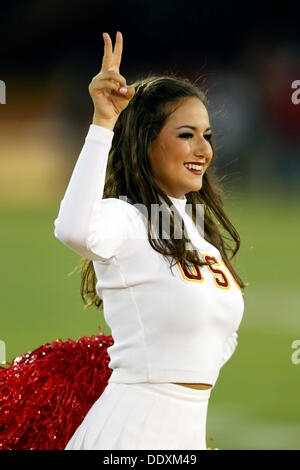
184, 141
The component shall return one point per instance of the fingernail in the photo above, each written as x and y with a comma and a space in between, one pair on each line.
123, 89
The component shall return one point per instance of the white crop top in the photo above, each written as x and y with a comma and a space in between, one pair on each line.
167, 326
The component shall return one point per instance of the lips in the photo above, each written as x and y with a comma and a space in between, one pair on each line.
194, 163
194, 171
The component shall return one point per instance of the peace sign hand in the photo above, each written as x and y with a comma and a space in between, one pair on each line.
108, 88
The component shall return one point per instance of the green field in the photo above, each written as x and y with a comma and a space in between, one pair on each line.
255, 404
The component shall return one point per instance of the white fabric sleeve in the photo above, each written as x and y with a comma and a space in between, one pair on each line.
229, 347
86, 223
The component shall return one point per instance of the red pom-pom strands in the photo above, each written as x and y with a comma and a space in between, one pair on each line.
45, 394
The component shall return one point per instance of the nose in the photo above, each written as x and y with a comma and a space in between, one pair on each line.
203, 149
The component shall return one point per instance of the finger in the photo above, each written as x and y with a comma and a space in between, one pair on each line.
130, 92
111, 74
104, 84
117, 54
107, 60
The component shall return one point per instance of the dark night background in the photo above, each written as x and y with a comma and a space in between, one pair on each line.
246, 55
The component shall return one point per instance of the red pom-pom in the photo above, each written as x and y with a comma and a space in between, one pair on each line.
45, 394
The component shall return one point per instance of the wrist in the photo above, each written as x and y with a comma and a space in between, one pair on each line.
99, 121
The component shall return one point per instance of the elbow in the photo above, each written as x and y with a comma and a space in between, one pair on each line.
68, 237
66, 227
74, 241
61, 233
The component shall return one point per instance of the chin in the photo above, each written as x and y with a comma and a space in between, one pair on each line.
196, 188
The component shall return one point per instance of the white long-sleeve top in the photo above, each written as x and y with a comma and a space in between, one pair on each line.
168, 326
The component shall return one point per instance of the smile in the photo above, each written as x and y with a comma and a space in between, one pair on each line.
195, 169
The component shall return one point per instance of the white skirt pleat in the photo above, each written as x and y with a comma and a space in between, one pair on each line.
148, 416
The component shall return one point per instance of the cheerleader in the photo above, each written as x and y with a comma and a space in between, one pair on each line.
173, 303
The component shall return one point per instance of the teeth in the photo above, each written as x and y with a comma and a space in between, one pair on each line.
193, 167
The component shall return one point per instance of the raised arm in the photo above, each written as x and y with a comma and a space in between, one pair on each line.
86, 223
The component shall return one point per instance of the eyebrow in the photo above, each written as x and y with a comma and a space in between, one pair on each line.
193, 127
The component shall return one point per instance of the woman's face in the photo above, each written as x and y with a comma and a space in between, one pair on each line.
174, 148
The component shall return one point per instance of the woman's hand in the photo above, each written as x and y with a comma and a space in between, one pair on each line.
108, 88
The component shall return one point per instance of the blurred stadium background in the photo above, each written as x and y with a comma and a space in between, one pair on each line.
247, 63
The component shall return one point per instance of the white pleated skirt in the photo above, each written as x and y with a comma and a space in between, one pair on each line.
148, 416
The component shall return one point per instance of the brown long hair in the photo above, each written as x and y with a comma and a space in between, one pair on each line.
129, 173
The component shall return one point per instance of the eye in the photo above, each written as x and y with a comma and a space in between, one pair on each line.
186, 135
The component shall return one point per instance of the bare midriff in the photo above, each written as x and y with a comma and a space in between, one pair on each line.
199, 386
